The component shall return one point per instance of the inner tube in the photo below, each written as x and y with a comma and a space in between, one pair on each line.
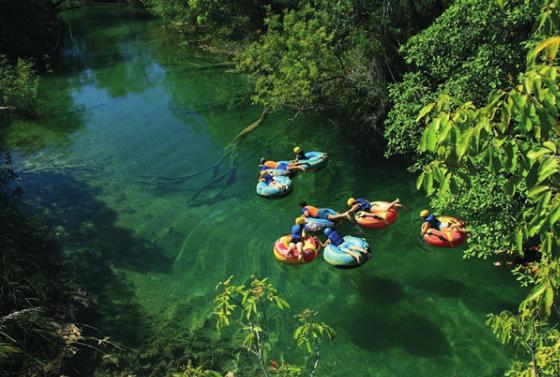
339, 257
365, 219
275, 191
314, 160
311, 248
281, 170
313, 224
446, 237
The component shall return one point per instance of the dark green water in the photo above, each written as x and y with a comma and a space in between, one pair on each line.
128, 102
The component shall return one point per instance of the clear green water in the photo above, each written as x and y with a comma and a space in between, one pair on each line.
127, 102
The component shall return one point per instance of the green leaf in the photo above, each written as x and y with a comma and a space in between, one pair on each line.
554, 215
536, 293
536, 154
519, 241
536, 191
429, 183
431, 135
425, 111
548, 300
550, 146
511, 157
548, 168
420, 180
463, 143
444, 186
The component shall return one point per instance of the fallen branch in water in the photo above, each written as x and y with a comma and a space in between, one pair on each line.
229, 150
55, 168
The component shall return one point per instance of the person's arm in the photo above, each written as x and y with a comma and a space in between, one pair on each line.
303, 233
425, 227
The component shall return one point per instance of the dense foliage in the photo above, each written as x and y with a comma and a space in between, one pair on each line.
502, 157
313, 54
472, 48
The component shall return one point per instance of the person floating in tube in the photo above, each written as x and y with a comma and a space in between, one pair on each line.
300, 154
370, 209
334, 239
432, 222
322, 213
297, 235
269, 164
269, 180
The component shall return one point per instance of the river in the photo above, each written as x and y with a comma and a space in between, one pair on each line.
129, 103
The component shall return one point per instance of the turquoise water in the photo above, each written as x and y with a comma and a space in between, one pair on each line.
128, 104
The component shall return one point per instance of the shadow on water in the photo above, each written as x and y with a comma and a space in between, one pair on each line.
99, 249
441, 286
482, 299
379, 290
378, 321
414, 334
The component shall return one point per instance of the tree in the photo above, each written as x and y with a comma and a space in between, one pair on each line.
475, 46
255, 302
510, 145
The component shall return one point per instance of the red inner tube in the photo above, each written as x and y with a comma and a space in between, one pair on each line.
445, 238
366, 219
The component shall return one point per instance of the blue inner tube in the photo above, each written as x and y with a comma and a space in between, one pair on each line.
314, 160
317, 225
339, 257
274, 191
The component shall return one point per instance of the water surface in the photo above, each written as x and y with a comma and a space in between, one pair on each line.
130, 103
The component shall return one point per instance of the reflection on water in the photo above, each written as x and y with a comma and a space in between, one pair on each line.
127, 104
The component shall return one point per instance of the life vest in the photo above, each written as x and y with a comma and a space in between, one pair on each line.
296, 232
270, 164
313, 211
434, 222
364, 204
335, 239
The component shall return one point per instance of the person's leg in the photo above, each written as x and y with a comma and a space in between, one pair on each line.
291, 249
300, 250
375, 215
457, 225
355, 255
296, 167
358, 249
394, 205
